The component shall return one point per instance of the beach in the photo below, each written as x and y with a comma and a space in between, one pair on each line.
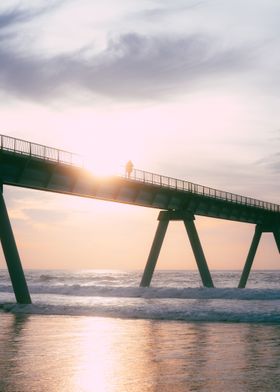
78, 353
94, 330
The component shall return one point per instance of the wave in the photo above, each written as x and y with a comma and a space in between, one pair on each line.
78, 290
190, 312
62, 278
46, 278
171, 297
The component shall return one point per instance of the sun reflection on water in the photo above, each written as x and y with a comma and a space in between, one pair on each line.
104, 357
82, 354
96, 358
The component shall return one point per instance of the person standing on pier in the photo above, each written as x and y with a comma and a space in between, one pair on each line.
128, 169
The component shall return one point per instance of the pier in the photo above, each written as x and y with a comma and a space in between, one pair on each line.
34, 166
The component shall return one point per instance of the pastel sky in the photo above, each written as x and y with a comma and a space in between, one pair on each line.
185, 88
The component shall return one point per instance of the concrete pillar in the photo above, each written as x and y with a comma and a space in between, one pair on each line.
12, 257
250, 257
154, 253
198, 253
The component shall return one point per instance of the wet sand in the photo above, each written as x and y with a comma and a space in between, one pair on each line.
71, 353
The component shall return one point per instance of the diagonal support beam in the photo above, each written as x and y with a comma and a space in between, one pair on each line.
276, 234
154, 253
12, 257
250, 257
198, 253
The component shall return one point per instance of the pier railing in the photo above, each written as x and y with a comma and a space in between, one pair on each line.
24, 147
183, 185
36, 150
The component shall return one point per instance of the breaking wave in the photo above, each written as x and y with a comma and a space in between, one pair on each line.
190, 311
173, 296
152, 292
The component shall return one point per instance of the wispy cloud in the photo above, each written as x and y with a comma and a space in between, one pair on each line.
271, 162
132, 66
17, 14
166, 9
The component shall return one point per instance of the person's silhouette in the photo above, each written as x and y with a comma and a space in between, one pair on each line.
128, 169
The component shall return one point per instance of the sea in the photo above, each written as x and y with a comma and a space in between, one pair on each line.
97, 330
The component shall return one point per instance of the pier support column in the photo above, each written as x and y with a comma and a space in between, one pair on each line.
276, 234
11, 255
250, 257
198, 253
188, 219
154, 252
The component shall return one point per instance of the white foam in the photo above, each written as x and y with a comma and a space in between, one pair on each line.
116, 294
151, 292
190, 311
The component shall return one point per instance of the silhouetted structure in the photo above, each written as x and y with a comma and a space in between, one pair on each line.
34, 166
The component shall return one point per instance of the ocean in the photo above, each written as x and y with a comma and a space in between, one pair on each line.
173, 295
97, 330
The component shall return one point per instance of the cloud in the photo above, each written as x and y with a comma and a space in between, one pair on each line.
32, 208
155, 65
16, 15
170, 8
11, 17
132, 66
271, 162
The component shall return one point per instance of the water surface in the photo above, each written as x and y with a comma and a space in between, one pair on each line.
70, 353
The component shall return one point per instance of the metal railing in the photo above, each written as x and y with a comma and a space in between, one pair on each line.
190, 187
24, 147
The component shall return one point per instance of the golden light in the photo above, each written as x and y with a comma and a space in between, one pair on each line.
100, 357
96, 359
106, 154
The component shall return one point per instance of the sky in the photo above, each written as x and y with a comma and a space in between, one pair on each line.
184, 88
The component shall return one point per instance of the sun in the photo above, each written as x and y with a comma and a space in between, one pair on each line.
106, 151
